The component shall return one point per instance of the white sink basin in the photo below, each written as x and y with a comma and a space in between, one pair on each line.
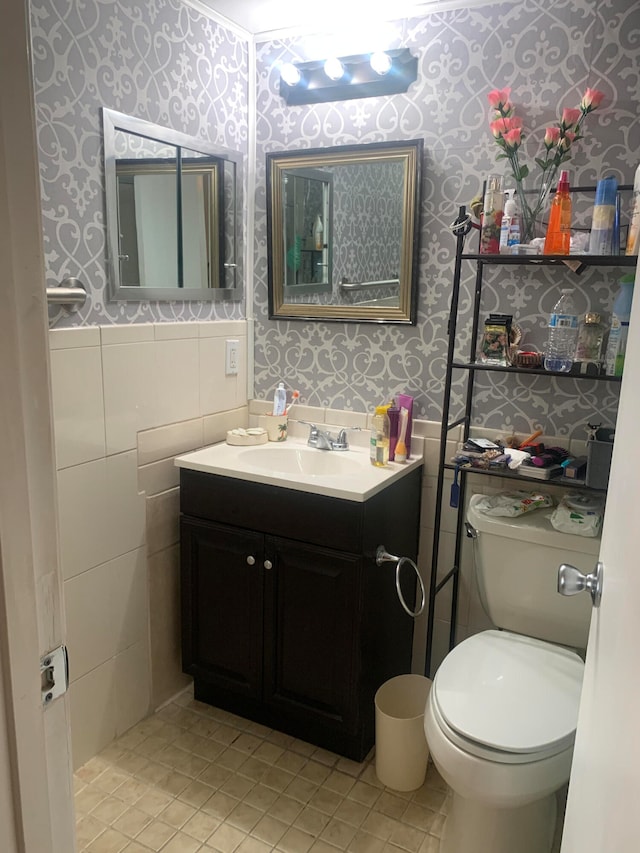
301, 460
292, 464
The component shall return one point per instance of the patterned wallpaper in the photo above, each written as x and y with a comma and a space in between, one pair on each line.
548, 51
158, 60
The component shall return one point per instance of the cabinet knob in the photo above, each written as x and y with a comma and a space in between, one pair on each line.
268, 564
251, 560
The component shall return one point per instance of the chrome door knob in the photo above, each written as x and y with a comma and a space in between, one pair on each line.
251, 561
571, 581
268, 564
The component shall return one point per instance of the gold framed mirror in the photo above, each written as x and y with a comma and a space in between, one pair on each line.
343, 227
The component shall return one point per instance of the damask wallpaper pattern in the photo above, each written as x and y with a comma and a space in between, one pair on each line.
548, 51
158, 60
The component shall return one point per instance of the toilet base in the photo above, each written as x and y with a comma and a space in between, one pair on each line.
474, 827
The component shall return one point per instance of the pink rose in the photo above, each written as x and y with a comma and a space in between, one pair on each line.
499, 99
591, 100
551, 136
567, 140
502, 126
570, 117
513, 138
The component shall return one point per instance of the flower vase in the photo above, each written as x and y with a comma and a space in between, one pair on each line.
534, 206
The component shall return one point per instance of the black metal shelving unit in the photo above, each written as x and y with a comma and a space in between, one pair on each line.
576, 263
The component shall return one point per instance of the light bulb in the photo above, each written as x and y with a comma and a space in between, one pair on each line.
333, 68
290, 74
381, 63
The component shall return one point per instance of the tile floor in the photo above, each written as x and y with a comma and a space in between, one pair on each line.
195, 778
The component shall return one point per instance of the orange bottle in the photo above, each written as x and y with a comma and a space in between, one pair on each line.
558, 239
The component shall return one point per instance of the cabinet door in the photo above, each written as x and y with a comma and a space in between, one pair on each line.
312, 619
222, 605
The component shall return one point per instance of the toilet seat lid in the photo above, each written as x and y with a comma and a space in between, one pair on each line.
510, 693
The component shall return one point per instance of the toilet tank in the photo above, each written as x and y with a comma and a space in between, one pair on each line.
516, 564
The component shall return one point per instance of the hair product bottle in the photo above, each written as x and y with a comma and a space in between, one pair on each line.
558, 239
604, 213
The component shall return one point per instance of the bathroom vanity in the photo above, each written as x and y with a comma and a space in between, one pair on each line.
286, 618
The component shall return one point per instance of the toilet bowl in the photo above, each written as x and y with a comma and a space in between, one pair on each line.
502, 712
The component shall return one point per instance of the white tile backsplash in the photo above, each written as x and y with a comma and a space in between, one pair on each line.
81, 336
78, 405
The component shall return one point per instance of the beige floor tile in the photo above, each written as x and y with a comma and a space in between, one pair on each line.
254, 769
109, 810
407, 838
155, 835
231, 759
201, 826
364, 793
110, 841
132, 822
237, 786
295, 841
363, 842
311, 821
220, 805
88, 799
326, 801
339, 833
271, 754
277, 779
301, 789
431, 844
391, 804
287, 760
244, 817
215, 776
88, 828
351, 812
419, 817
181, 843
134, 847
261, 797
379, 825
286, 809
340, 783
196, 793
177, 813
253, 845
315, 772
153, 801
226, 838
320, 846
270, 830
174, 783
430, 798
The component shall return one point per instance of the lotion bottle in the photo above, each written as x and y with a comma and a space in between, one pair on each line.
604, 212
558, 239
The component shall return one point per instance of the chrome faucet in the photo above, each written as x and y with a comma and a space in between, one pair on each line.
324, 440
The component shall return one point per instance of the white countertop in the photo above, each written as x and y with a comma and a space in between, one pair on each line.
292, 464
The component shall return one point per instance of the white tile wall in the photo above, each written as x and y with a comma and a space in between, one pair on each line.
109, 384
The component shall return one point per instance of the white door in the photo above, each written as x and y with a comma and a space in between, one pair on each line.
36, 804
604, 792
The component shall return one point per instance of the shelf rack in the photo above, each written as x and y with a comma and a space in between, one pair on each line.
574, 262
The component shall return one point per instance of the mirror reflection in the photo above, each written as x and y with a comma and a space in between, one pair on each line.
343, 232
172, 213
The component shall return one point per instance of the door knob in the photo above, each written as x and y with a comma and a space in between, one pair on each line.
251, 560
572, 581
268, 564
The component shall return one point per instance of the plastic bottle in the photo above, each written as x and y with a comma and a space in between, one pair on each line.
510, 227
318, 232
633, 240
279, 399
619, 331
380, 429
588, 354
558, 238
491, 216
604, 214
563, 331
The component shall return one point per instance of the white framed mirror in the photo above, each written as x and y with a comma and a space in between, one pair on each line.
173, 207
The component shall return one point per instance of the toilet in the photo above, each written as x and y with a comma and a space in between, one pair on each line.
501, 715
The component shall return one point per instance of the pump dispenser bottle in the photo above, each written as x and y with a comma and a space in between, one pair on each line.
558, 239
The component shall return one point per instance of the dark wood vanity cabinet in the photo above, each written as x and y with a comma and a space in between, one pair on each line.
286, 619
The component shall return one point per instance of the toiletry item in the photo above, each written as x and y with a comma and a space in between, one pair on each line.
494, 347
394, 426
588, 355
295, 396
604, 212
379, 442
633, 238
405, 401
510, 227
401, 446
491, 216
563, 330
558, 239
619, 331
318, 232
279, 400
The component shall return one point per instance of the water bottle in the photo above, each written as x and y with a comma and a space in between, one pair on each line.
563, 331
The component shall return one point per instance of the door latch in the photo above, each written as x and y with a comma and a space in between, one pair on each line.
54, 674
572, 581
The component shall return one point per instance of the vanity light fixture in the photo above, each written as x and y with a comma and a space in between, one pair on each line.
340, 78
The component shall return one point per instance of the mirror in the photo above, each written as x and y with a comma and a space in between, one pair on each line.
174, 208
343, 232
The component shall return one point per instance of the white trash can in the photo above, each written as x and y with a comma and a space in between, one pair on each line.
401, 746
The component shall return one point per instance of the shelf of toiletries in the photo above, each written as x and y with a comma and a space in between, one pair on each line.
537, 371
555, 260
507, 474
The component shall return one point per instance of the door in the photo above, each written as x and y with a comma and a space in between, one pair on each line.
222, 591
604, 790
311, 631
35, 765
